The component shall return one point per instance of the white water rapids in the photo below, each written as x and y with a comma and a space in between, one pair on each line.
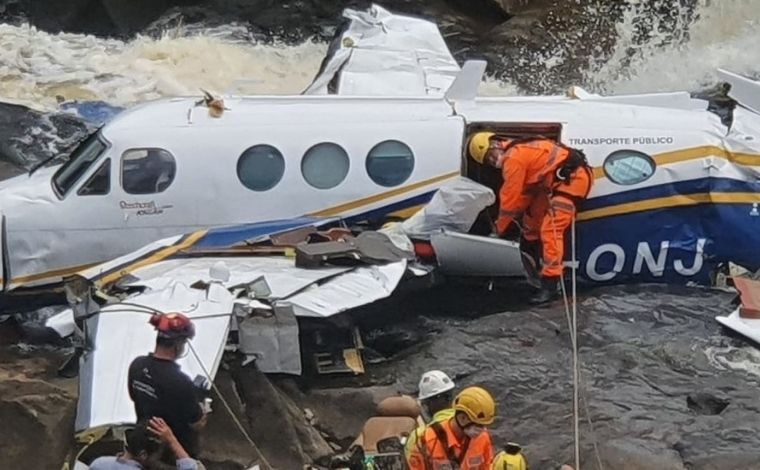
36, 66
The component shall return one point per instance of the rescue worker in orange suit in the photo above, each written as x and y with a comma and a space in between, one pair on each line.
462, 441
543, 183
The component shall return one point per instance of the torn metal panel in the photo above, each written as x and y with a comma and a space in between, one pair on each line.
272, 339
380, 53
121, 333
282, 277
367, 247
470, 255
350, 290
743, 90
747, 327
62, 323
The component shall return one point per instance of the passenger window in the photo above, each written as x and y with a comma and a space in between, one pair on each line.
390, 163
627, 167
147, 171
99, 183
260, 167
325, 165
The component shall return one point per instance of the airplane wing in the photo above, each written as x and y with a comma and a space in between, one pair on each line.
381, 54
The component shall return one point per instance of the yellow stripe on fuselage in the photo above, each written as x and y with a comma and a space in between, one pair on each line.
337, 210
695, 153
55, 273
154, 258
679, 200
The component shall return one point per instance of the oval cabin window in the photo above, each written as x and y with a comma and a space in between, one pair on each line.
390, 163
260, 167
325, 165
628, 167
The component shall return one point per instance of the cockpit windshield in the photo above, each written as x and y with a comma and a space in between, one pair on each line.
80, 160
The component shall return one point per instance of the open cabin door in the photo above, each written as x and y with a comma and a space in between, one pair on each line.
476, 253
490, 176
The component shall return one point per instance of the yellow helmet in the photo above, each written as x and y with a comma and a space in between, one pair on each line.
478, 146
477, 403
505, 461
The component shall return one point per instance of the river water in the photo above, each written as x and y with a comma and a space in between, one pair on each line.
36, 66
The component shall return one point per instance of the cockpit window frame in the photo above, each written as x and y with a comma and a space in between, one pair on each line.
97, 136
105, 164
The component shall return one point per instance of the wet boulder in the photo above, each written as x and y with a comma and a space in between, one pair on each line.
37, 411
281, 430
28, 137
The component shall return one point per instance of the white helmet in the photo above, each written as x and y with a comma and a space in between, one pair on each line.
434, 383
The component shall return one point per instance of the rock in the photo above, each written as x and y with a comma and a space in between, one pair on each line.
222, 443
340, 412
639, 373
728, 461
638, 454
276, 424
706, 404
36, 409
28, 137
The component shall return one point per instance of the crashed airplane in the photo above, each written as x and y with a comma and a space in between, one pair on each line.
255, 203
383, 126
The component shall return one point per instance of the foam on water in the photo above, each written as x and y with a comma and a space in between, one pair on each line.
724, 35
36, 66
746, 358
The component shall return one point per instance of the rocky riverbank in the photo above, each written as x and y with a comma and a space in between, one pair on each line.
663, 386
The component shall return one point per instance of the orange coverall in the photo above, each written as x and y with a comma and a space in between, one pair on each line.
429, 452
547, 205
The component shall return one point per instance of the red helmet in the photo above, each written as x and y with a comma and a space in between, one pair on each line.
173, 326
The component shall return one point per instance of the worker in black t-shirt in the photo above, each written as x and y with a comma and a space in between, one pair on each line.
160, 389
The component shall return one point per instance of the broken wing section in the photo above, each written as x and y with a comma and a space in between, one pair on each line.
382, 54
121, 332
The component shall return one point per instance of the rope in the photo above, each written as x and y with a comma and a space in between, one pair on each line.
571, 315
576, 413
228, 408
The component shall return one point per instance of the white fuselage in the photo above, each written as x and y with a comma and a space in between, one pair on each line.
49, 233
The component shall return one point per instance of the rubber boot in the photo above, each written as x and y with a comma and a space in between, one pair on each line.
548, 292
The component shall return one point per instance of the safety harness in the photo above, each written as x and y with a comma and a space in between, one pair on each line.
576, 159
454, 460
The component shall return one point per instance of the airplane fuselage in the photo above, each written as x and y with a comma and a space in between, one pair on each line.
666, 175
